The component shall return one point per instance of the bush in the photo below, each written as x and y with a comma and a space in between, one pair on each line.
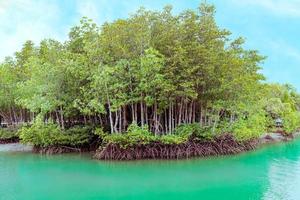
40, 134
77, 135
243, 129
8, 133
134, 135
251, 127
195, 130
44, 135
291, 121
173, 139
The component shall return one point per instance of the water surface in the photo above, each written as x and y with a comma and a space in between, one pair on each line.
271, 172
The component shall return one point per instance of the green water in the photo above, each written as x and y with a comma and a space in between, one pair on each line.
272, 172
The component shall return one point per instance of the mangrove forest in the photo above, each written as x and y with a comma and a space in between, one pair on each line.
153, 85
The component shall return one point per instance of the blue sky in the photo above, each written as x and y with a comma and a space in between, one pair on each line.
270, 26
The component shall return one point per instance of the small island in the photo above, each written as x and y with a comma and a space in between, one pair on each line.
156, 85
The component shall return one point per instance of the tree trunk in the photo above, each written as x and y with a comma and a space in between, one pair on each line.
146, 111
125, 118
132, 112
62, 118
110, 118
142, 113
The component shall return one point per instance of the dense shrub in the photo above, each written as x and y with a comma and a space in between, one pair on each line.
195, 130
136, 135
173, 139
50, 134
250, 127
8, 133
291, 121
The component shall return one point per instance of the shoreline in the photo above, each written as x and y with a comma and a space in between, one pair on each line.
221, 145
15, 147
224, 145
207, 149
9, 141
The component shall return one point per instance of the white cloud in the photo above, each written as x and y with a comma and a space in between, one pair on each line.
290, 8
22, 20
3, 6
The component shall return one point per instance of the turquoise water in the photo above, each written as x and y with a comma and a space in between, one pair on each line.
272, 172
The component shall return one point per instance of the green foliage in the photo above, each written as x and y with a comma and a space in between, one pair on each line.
44, 135
173, 139
100, 133
194, 130
40, 134
291, 121
177, 75
282, 101
250, 127
8, 133
135, 135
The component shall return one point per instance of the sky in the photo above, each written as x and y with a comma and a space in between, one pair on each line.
270, 26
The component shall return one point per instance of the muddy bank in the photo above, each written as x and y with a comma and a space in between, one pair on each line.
276, 137
15, 147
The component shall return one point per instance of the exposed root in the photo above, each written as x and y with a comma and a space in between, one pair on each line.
10, 140
223, 145
59, 149
53, 150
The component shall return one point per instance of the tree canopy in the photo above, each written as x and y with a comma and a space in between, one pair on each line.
154, 69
